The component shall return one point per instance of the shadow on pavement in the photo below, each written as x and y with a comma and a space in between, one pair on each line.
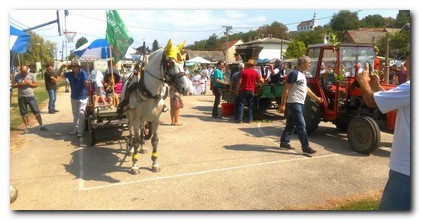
96, 164
265, 149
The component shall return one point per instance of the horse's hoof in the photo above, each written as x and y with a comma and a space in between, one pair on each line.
135, 171
156, 169
143, 151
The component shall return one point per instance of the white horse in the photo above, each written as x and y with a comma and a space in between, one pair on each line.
164, 66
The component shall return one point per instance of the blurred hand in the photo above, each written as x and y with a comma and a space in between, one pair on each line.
282, 109
364, 75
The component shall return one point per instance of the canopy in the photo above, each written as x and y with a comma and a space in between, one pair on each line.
18, 40
199, 60
100, 49
97, 49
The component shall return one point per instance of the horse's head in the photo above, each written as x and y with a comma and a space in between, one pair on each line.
174, 67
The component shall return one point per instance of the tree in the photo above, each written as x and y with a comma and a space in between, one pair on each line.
315, 36
295, 49
81, 41
276, 29
155, 45
39, 50
403, 17
398, 45
373, 21
343, 21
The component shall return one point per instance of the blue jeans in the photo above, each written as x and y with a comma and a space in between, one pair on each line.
246, 96
295, 117
52, 101
397, 192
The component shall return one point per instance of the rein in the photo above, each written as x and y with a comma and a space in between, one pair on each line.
168, 79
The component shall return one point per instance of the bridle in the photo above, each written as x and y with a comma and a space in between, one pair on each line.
170, 79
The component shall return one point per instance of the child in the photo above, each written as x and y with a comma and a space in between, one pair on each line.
99, 88
110, 91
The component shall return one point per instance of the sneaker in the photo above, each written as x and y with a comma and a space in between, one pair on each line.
43, 128
309, 150
79, 135
74, 131
285, 145
218, 117
51, 112
56, 110
238, 121
26, 130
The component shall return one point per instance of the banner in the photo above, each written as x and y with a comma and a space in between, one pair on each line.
117, 35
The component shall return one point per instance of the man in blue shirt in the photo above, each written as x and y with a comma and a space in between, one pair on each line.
79, 87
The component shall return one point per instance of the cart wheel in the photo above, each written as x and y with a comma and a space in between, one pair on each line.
363, 134
86, 123
92, 137
91, 131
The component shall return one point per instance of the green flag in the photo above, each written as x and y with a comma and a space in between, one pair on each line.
117, 35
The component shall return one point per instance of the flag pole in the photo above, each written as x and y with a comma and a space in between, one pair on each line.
111, 66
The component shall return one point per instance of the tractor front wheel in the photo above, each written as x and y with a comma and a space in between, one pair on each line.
363, 134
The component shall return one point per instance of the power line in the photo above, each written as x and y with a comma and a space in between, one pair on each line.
148, 28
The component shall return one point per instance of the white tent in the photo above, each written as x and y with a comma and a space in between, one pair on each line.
199, 60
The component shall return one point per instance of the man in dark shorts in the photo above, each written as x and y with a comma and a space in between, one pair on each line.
25, 82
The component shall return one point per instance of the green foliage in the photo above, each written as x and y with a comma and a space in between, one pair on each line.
81, 41
276, 29
295, 49
372, 21
343, 21
39, 50
399, 44
155, 45
315, 36
403, 17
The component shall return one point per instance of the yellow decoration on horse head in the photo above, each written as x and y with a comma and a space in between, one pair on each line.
174, 52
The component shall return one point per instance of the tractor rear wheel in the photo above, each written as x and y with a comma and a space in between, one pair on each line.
312, 115
363, 134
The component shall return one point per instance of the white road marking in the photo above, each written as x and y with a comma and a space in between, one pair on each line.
82, 188
205, 172
81, 180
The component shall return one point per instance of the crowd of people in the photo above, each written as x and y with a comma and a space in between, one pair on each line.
241, 84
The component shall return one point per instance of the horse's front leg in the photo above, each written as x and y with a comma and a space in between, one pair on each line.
136, 143
155, 141
142, 138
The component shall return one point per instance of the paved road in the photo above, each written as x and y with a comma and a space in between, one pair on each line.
206, 164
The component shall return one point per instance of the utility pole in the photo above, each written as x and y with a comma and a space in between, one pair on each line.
386, 72
227, 32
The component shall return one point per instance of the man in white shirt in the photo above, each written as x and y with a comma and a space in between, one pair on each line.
397, 192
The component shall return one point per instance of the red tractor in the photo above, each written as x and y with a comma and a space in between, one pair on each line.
332, 76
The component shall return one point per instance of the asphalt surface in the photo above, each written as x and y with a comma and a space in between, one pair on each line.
206, 164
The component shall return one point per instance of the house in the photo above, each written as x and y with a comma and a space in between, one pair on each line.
356, 36
308, 25
271, 47
229, 50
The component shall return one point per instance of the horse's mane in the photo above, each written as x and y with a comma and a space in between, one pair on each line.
154, 54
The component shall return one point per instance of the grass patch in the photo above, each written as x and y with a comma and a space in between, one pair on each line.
41, 96
360, 205
366, 202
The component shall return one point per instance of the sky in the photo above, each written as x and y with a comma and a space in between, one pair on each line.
171, 20
161, 25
